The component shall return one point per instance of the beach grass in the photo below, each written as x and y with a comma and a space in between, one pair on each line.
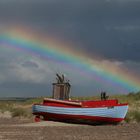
23, 109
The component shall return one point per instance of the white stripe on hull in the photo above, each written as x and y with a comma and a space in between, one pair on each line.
115, 112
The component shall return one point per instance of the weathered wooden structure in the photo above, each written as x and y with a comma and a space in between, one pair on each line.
61, 89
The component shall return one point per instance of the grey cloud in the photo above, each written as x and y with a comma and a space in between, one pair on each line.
25, 80
81, 22
127, 28
30, 64
108, 28
20, 67
24, 89
134, 66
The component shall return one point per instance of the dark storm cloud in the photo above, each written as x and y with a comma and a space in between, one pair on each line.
90, 25
110, 28
24, 89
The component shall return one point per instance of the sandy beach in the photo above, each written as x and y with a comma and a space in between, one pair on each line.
15, 129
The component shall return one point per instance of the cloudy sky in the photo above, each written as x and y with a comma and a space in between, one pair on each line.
108, 28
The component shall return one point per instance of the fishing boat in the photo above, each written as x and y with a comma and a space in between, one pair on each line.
61, 108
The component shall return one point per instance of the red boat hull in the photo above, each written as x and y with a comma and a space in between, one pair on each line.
77, 118
107, 111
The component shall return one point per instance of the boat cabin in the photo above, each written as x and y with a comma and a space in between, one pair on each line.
61, 89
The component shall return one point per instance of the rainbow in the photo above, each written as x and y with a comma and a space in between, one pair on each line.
49, 49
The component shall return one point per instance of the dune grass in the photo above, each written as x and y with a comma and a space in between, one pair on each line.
17, 109
6, 106
23, 109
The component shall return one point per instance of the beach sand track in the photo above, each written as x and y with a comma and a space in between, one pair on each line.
63, 131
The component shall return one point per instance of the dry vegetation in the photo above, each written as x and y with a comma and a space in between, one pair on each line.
20, 126
23, 109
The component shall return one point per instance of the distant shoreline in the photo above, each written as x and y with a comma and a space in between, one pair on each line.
16, 98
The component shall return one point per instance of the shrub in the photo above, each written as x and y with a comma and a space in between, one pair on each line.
137, 116
129, 117
5, 106
133, 116
19, 112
